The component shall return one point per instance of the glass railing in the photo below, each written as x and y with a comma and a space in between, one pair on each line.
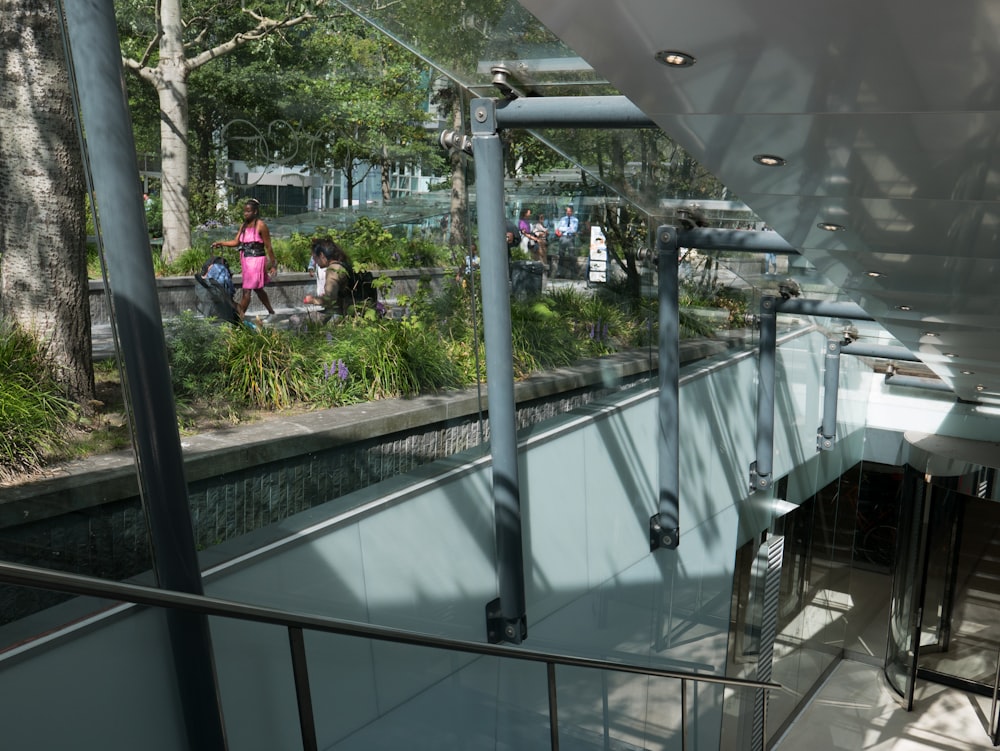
462, 708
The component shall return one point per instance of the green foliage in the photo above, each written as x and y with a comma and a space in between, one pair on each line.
368, 242
196, 349
737, 302
263, 369
192, 259
34, 414
296, 251
420, 253
540, 340
154, 216
600, 322
390, 358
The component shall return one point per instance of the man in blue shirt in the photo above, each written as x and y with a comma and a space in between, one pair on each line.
566, 230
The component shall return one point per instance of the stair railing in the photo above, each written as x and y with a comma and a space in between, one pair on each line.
78, 584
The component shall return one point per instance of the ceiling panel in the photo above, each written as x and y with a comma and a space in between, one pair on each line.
888, 116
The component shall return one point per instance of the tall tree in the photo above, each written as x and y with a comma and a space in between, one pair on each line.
43, 261
177, 44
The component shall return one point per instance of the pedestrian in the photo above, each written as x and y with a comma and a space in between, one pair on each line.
540, 229
257, 261
338, 272
566, 230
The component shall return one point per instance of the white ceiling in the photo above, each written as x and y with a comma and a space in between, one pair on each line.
888, 114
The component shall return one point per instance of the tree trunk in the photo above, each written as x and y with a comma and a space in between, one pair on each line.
386, 172
43, 276
171, 88
459, 194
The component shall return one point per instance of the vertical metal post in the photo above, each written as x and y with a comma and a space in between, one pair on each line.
303, 693
109, 153
684, 715
664, 527
831, 386
760, 470
506, 620
550, 671
994, 731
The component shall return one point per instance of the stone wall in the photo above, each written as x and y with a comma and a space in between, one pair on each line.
180, 293
89, 519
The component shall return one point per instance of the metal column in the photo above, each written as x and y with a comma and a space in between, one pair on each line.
831, 386
664, 527
506, 619
760, 470
109, 155
801, 306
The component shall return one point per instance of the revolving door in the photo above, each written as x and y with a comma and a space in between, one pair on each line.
944, 623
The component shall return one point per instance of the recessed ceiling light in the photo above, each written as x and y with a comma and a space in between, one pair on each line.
968, 372
931, 333
770, 160
675, 59
830, 226
980, 387
950, 354
904, 308
874, 274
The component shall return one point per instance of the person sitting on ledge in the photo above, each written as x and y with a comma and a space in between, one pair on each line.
336, 297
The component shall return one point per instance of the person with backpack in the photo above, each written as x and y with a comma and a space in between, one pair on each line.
343, 288
257, 261
216, 278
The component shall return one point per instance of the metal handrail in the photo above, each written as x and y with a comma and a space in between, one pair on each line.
78, 584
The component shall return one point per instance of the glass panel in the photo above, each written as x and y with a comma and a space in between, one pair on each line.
871, 548
60, 402
967, 591
904, 608
939, 588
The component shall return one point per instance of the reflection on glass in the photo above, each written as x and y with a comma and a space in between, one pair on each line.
900, 667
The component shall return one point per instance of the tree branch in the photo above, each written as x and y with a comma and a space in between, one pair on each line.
264, 27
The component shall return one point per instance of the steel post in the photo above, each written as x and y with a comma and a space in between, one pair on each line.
506, 619
824, 308
760, 470
831, 386
664, 527
748, 241
109, 156
571, 112
885, 351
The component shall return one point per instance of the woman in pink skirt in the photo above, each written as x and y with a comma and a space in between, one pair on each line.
257, 261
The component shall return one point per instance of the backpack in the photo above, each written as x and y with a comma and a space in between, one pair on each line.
216, 290
358, 291
216, 271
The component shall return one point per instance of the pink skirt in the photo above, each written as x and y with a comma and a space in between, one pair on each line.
254, 268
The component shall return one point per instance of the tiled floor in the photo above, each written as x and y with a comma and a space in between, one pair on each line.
854, 710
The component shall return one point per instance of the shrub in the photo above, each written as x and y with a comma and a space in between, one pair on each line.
422, 253
294, 253
196, 348
34, 414
369, 243
263, 369
192, 259
393, 358
154, 216
540, 339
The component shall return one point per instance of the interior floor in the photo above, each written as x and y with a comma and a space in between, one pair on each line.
856, 710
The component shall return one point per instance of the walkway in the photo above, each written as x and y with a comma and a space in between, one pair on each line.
855, 711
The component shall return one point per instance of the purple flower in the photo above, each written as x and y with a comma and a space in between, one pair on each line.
336, 368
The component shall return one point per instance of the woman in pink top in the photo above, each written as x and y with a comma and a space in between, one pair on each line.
257, 260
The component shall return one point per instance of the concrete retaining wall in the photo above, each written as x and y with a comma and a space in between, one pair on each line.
179, 293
